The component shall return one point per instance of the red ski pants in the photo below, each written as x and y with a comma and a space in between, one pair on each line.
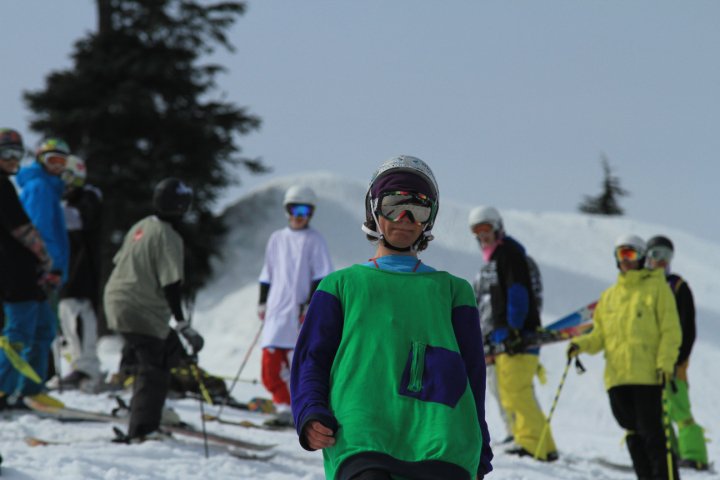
276, 373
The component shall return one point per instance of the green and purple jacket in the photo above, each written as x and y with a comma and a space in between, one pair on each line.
393, 363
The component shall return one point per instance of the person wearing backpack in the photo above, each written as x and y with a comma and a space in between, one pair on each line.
692, 451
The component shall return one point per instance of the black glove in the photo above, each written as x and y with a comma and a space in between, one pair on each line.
573, 350
195, 340
514, 342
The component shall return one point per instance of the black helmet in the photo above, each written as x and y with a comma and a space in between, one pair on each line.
660, 241
172, 197
660, 248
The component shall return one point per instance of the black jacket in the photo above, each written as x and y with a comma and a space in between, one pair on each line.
20, 269
83, 208
686, 312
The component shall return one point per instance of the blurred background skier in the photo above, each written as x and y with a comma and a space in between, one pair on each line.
296, 260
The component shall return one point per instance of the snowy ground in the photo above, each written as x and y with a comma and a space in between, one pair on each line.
574, 253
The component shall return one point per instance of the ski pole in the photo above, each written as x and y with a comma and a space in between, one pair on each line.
666, 424
242, 366
546, 428
196, 373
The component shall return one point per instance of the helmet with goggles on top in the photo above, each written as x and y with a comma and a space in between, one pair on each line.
11, 147
403, 187
53, 152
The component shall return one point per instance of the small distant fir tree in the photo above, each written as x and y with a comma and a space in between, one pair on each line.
607, 202
138, 106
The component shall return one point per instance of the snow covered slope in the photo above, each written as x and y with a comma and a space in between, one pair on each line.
575, 256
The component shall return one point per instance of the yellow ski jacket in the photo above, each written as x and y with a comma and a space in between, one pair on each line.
636, 323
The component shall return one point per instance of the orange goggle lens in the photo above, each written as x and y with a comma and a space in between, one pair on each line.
54, 159
626, 253
482, 228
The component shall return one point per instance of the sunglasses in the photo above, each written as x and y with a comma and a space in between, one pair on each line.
395, 206
482, 228
299, 210
628, 254
660, 253
11, 154
54, 159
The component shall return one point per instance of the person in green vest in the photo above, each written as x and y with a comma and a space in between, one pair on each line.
692, 450
388, 376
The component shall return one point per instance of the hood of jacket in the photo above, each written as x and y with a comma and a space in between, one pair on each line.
34, 173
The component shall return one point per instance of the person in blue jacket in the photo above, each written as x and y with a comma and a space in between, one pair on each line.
26, 275
41, 190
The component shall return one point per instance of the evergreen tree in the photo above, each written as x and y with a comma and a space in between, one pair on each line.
138, 106
607, 202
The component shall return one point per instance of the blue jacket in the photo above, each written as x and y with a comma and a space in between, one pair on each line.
41, 196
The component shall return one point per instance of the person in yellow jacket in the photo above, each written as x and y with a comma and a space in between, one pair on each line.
636, 324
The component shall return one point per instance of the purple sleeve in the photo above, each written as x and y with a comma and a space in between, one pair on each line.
312, 360
466, 324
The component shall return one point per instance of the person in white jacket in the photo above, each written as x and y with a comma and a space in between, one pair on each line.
296, 259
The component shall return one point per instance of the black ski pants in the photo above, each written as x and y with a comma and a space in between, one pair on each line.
373, 475
152, 359
638, 409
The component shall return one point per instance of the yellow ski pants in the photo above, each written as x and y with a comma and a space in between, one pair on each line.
517, 395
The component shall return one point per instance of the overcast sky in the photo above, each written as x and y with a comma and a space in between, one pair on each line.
511, 102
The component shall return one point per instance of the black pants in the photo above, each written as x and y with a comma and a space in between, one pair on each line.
372, 475
638, 409
152, 359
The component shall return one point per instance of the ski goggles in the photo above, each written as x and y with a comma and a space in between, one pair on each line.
299, 210
627, 254
54, 159
10, 153
482, 228
395, 206
660, 253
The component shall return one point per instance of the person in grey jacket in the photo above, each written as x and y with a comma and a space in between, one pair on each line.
142, 293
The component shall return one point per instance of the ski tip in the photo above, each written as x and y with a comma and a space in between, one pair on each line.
36, 442
252, 456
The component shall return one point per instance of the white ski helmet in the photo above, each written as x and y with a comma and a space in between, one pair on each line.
485, 214
75, 172
401, 163
633, 241
299, 194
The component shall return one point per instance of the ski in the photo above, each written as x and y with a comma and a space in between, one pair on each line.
251, 455
247, 424
256, 404
579, 316
569, 326
33, 441
67, 413
620, 467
